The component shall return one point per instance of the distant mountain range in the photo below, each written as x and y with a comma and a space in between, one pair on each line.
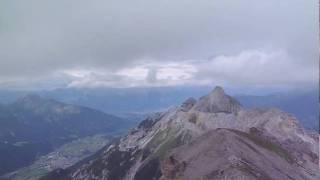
214, 137
115, 100
32, 126
135, 102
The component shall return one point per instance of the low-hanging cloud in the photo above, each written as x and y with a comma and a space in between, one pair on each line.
247, 68
256, 67
109, 38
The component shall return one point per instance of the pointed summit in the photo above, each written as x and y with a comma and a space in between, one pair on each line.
218, 91
217, 101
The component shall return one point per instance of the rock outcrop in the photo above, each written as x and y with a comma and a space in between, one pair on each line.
188, 104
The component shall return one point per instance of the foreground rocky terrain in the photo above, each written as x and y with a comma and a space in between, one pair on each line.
210, 138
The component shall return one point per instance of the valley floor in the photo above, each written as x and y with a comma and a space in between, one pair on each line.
63, 157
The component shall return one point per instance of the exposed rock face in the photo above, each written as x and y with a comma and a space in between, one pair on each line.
213, 138
188, 104
217, 101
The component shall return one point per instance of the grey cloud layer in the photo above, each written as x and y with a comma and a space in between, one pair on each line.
42, 37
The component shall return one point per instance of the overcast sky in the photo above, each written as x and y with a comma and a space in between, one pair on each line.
128, 43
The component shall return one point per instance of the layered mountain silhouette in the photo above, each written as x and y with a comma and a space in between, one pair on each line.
138, 101
210, 138
33, 126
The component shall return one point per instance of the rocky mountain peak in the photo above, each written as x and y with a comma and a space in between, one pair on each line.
217, 101
218, 91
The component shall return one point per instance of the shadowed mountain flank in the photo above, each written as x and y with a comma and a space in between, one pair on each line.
33, 126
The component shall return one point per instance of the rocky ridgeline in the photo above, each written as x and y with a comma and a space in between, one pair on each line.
212, 138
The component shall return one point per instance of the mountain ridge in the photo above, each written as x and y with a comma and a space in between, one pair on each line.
156, 148
33, 126
140, 101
